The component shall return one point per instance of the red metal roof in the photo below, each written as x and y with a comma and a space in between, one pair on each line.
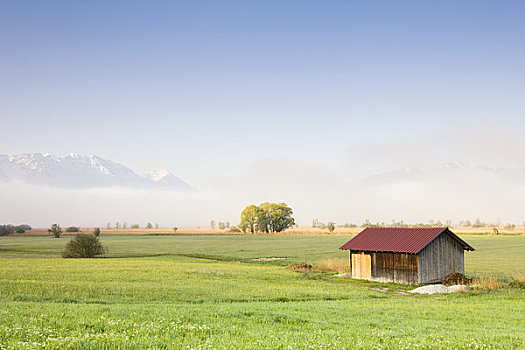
397, 239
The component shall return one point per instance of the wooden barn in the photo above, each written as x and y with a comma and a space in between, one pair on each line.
406, 255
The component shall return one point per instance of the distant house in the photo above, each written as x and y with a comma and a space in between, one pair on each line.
406, 255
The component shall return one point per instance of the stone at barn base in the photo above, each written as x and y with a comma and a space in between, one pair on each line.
459, 288
347, 275
439, 288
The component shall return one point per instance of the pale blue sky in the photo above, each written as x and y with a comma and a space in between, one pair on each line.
206, 89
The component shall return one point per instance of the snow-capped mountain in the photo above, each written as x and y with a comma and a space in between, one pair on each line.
78, 171
446, 170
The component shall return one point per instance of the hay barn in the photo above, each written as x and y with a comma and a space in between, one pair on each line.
406, 255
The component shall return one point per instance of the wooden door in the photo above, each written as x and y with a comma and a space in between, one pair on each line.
361, 266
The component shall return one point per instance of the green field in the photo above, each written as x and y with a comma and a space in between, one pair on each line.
204, 292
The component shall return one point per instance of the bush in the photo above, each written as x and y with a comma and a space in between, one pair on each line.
73, 229
331, 226
135, 226
456, 278
301, 267
83, 246
96, 231
20, 230
235, 229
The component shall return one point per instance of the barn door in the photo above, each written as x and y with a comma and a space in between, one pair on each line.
361, 266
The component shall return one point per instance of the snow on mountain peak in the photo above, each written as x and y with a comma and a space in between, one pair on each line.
159, 174
79, 171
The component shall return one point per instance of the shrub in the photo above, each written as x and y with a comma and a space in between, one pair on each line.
517, 284
135, 226
20, 230
73, 229
235, 229
83, 246
331, 226
96, 231
456, 278
301, 267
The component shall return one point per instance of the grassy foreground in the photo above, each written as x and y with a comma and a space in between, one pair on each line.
203, 292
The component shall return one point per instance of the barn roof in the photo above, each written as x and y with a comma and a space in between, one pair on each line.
398, 239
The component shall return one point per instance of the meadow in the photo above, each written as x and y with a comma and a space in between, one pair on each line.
207, 292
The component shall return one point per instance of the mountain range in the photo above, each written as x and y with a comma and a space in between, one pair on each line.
79, 171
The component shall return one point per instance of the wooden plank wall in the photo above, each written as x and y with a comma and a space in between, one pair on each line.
361, 265
395, 267
443, 256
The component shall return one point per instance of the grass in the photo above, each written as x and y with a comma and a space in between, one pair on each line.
204, 292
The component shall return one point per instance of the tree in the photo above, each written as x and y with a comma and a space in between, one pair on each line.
96, 231
156, 225
331, 226
117, 225
108, 226
175, 229
212, 223
227, 224
6, 230
124, 225
149, 225
221, 225
83, 246
55, 230
276, 217
250, 217
73, 229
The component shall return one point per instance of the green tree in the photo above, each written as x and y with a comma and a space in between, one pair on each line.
250, 218
276, 217
83, 246
330, 226
55, 230
149, 225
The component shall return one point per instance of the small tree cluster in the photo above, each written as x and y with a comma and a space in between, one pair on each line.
73, 229
9, 229
266, 217
223, 225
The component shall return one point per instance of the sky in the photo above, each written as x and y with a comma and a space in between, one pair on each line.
346, 110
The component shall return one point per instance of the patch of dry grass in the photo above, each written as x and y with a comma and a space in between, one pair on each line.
493, 282
333, 264
488, 282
